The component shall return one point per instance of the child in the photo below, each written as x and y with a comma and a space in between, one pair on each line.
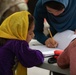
16, 31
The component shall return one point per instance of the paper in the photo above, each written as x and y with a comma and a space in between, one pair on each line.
34, 44
63, 39
46, 51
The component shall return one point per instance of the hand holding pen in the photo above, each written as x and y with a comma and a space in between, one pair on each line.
50, 42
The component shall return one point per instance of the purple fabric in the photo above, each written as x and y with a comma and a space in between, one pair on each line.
23, 53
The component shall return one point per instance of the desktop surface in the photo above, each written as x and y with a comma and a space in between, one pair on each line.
54, 67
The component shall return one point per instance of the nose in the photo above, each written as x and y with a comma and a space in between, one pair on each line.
33, 35
56, 14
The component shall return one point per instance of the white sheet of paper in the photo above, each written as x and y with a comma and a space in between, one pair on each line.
63, 39
46, 51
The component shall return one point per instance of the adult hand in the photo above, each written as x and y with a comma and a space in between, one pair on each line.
75, 32
51, 43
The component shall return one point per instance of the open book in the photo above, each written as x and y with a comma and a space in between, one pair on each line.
63, 39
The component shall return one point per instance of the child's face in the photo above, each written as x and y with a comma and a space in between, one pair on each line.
30, 34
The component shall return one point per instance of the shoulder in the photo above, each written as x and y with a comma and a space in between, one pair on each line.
14, 43
40, 6
40, 10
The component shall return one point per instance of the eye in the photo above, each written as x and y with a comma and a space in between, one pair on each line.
31, 33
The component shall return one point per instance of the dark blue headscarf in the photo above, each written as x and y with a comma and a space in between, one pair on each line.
66, 20
64, 2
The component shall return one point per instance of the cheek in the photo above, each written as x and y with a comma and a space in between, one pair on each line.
28, 38
32, 35
56, 13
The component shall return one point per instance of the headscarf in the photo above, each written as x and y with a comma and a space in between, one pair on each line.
66, 20
64, 2
16, 27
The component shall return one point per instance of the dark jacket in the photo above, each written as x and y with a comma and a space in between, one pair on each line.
64, 21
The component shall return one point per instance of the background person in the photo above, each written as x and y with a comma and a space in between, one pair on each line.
8, 7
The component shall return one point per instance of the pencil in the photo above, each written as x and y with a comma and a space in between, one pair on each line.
55, 45
50, 33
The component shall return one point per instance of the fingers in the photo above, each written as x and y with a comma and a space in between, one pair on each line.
51, 43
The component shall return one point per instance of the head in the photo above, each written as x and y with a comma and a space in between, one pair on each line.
54, 7
30, 34
19, 25
8, 7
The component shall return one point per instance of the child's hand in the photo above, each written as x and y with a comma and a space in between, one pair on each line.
51, 43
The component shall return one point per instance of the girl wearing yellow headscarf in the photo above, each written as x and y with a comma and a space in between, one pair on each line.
15, 33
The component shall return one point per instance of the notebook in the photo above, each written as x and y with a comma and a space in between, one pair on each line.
63, 39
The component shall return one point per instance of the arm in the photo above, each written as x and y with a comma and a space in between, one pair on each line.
68, 58
39, 15
27, 56
65, 59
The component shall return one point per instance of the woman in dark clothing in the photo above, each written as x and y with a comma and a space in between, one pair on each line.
60, 15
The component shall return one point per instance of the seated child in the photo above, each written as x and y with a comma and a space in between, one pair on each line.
16, 31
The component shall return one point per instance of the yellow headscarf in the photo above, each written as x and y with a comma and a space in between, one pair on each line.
16, 27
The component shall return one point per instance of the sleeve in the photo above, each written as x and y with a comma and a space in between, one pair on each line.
26, 56
39, 15
63, 60
68, 58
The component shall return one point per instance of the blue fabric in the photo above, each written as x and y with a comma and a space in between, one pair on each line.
19, 49
65, 21
64, 2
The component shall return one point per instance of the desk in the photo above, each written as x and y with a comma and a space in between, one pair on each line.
54, 67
